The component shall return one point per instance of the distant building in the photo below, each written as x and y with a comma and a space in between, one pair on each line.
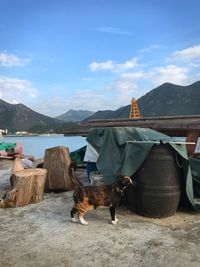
21, 133
3, 131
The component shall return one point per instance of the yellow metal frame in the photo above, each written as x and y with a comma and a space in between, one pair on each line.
134, 110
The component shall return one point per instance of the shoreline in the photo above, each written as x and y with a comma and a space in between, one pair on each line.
30, 135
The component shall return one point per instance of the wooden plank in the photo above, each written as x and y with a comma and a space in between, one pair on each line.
171, 125
194, 118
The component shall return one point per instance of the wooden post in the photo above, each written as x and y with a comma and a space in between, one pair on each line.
28, 187
60, 174
17, 166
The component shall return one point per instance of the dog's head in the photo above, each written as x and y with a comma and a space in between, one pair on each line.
125, 180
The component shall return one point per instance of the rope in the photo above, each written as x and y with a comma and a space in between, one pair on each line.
180, 165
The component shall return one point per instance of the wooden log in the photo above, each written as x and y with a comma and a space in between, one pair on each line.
60, 174
28, 187
17, 166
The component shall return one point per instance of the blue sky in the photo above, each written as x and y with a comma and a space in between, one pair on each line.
95, 54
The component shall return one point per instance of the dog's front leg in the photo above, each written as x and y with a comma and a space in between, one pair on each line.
113, 216
73, 213
81, 219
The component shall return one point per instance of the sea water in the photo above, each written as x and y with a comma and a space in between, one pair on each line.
36, 145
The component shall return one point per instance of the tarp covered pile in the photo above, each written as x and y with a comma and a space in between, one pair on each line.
121, 153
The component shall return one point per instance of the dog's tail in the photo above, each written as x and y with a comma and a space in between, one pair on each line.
78, 194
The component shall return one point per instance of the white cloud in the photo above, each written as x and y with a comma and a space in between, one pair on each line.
121, 86
81, 99
122, 92
127, 79
149, 49
113, 30
11, 60
134, 80
169, 73
117, 94
112, 66
132, 75
93, 100
189, 53
10, 87
107, 65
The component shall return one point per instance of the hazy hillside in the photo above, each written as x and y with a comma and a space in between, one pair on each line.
165, 100
75, 115
21, 118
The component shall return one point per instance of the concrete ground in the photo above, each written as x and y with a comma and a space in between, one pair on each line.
43, 235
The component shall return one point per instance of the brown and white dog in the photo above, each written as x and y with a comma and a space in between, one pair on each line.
91, 197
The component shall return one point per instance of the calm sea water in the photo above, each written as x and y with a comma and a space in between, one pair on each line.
36, 145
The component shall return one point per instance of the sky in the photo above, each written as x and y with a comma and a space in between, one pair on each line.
57, 55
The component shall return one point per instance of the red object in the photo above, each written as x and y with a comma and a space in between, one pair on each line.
192, 136
18, 149
3, 153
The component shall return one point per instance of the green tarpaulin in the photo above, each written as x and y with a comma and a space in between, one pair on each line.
195, 169
78, 155
119, 154
6, 146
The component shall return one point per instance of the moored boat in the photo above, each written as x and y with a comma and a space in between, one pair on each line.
10, 150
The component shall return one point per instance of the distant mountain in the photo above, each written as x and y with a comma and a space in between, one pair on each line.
75, 115
122, 112
166, 100
21, 118
170, 100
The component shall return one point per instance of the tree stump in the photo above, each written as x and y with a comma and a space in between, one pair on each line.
28, 187
60, 172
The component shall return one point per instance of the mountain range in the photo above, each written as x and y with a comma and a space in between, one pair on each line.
170, 99
18, 117
165, 100
75, 115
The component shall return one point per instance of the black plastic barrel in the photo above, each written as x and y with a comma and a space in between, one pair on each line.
157, 184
